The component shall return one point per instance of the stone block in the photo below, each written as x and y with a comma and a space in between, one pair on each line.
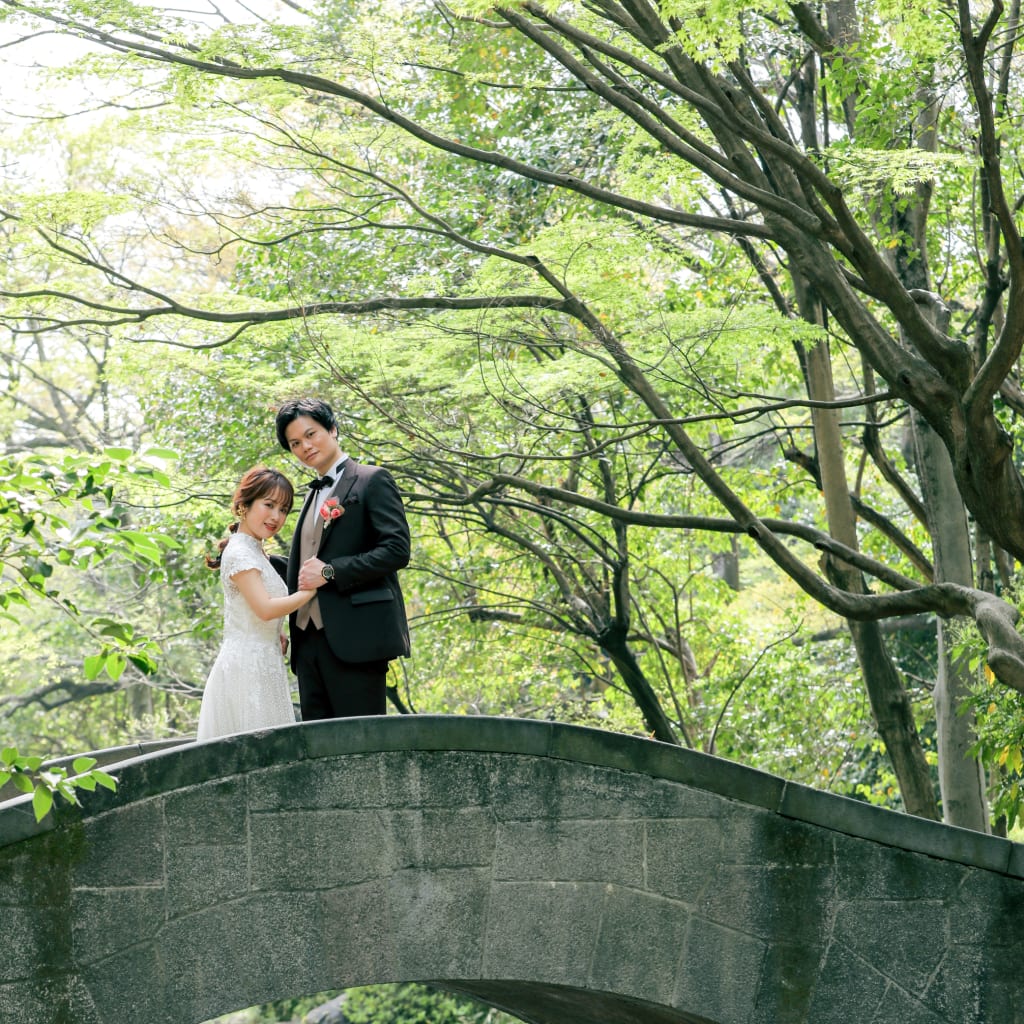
682, 857
34, 940
45, 1000
1000, 992
583, 851
524, 787
129, 988
194, 763
1015, 862
18, 822
790, 904
106, 921
587, 792
209, 814
665, 761
202, 876
437, 838
900, 1007
248, 952
358, 935
866, 870
904, 940
452, 779
437, 920
955, 990
1002, 924
655, 930
123, 847
487, 733
904, 831
352, 781
310, 850
668, 799
789, 976
760, 838
719, 972
552, 923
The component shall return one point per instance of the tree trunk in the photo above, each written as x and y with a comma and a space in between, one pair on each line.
890, 705
961, 780
613, 643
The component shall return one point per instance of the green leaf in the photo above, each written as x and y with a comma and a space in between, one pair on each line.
145, 664
160, 453
82, 764
66, 789
105, 780
93, 665
115, 664
42, 801
143, 545
9, 755
118, 630
23, 782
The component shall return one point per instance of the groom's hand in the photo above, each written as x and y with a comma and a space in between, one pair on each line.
310, 577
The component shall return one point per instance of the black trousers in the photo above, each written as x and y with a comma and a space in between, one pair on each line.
332, 688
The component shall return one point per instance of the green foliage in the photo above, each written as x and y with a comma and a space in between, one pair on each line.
28, 775
866, 172
716, 31
254, 195
415, 1004
66, 514
377, 1004
1000, 726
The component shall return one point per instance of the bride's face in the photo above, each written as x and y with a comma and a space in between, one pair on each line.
264, 517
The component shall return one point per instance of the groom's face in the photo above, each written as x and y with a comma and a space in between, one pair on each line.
312, 444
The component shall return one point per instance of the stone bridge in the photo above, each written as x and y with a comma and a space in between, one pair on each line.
566, 875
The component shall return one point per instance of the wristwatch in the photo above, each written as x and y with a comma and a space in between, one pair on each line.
327, 571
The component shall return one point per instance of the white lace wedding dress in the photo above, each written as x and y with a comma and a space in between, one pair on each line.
248, 685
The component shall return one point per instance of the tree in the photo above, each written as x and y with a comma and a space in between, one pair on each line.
756, 154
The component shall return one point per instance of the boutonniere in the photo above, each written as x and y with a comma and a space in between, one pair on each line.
329, 511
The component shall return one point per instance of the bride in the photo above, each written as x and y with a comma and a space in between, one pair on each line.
248, 685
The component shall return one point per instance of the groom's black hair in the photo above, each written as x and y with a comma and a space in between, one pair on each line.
315, 408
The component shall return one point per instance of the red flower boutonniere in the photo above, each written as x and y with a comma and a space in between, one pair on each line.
330, 510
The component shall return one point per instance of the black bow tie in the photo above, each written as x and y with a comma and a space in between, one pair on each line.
324, 481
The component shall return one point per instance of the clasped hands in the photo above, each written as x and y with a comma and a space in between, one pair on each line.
310, 577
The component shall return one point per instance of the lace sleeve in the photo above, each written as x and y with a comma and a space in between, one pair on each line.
239, 557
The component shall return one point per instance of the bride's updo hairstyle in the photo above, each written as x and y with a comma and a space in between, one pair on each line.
258, 482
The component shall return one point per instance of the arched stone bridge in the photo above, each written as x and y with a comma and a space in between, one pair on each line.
566, 875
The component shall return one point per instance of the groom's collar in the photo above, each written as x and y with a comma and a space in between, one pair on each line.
338, 468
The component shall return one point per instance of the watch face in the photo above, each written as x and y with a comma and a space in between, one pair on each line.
327, 572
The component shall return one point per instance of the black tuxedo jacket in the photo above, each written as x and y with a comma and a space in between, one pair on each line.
362, 607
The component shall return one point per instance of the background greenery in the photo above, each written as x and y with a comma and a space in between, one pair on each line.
574, 323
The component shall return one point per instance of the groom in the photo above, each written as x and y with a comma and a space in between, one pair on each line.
350, 540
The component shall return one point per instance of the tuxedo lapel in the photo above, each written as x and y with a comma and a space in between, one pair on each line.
340, 491
306, 505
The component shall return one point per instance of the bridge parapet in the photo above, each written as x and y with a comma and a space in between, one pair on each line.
565, 874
